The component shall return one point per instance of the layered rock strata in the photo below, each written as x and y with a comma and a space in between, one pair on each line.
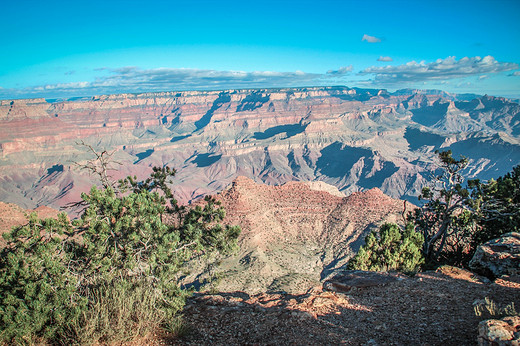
353, 139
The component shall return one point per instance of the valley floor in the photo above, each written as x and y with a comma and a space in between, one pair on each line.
432, 308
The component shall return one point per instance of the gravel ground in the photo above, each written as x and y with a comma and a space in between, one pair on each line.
432, 308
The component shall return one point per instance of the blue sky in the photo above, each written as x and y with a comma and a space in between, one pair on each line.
82, 48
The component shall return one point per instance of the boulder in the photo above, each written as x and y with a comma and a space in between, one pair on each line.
499, 332
498, 257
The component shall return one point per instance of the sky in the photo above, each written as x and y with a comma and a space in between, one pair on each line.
63, 49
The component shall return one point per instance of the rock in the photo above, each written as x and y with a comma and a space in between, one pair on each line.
499, 332
302, 314
498, 257
345, 281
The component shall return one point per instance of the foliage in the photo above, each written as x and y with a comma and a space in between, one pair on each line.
390, 248
112, 274
499, 204
457, 218
489, 309
446, 220
38, 290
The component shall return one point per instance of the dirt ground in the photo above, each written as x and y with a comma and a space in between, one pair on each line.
432, 308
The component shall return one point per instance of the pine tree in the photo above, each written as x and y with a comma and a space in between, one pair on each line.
74, 281
498, 202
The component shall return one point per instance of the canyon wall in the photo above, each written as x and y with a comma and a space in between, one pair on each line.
353, 139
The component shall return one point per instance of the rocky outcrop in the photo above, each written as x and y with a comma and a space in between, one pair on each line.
504, 332
294, 235
498, 257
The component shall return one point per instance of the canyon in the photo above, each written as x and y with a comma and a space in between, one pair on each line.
353, 139
306, 172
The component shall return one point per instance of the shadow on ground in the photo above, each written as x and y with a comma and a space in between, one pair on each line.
432, 308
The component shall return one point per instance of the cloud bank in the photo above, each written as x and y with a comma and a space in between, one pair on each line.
161, 78
441, 69
135, 80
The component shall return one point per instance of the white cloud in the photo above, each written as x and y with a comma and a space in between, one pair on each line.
182, 78
516, 74
134, 79
464, 84
441, 69
484, 76
385, 58
341, 71
72, 85
371, 39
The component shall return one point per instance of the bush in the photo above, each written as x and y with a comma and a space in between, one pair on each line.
38, 292
111, 275
117, 313
390, 248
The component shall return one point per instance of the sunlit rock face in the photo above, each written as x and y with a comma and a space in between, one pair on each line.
295, 235
353, 139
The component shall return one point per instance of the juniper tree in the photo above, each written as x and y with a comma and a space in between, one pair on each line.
447, 221
57, 276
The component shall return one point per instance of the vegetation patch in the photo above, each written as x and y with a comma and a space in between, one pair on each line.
390, 249
111, 275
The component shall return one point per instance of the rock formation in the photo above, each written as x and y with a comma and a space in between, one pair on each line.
498, 257
353, 139
504, 332
293, 235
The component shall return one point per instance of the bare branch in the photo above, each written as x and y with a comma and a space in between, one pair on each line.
100, 165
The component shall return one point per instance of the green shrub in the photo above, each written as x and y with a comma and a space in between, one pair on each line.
390, 248
37, 290
111, 275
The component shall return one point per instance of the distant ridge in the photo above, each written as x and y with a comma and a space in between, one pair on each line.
354, 139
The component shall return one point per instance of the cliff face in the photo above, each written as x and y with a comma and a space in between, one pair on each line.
351, 138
